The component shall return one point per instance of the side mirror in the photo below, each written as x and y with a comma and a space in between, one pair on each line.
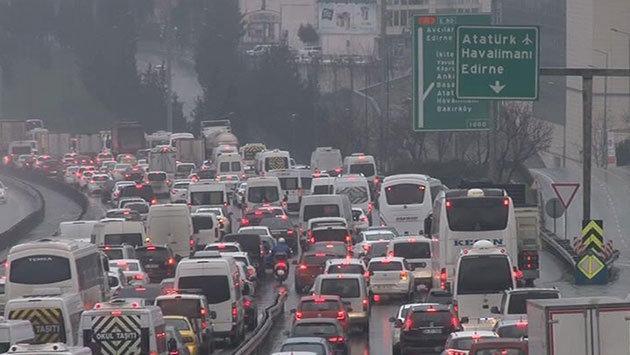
398, 323
495, 310
464, 320
427, 225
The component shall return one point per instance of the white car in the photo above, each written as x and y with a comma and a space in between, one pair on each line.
390, 276
239, 193
97, 182
460, 342
225, 226
85, 179
361, 221
3, 193
259, 230
69, 177
179, 191
345, 266
133, 271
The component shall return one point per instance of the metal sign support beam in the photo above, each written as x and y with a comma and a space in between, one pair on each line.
587, 75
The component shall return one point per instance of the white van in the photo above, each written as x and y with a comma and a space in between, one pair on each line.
262, 191
113, 232
207, 193
229, 163
323, 186
205, 229
357, 189
76, 229
170, 225
404, 202
272, 160
55, 318
123, 327
14, 332
314, 206
352, 288
218, 279
291, 186
418, 252
326, 159
482, 274
359, 163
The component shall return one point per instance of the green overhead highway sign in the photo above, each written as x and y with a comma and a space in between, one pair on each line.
435, 105
497, 62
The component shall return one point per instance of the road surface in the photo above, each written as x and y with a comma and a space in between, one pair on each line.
19, 204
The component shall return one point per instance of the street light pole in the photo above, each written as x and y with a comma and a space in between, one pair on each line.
627, 34
604, 145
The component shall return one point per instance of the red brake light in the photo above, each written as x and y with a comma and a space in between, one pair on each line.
455, 322
244, 222
116, 313
151, 248
170, 261
377, 298
506, 202
191, 242
449, 204
234, 312
138, 277
289, 231
341, 315
247, 303
339, 340
408, 324
302, 267
521, 324
154, 201
299, 315
365, 304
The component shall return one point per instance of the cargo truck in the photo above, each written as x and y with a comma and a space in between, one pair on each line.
579, 326
190, 151
11, 130
127, 137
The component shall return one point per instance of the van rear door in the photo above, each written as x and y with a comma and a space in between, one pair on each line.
216, 288
117, 333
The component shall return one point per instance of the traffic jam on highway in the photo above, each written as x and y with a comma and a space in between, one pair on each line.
201, 234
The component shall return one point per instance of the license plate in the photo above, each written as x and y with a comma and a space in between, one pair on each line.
432, 331
151, 266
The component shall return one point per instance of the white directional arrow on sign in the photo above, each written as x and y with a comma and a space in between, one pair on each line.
497, 87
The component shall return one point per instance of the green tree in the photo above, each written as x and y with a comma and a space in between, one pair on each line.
216, 57
307, 34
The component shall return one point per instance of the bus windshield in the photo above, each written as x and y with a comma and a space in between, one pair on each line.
477, 214
404, 194
473, 276
39, 270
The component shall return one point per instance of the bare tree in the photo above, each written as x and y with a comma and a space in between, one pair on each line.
520, 136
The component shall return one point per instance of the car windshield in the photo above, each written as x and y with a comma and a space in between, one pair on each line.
404, 194
413, 250
517, 330
177, 323
113, 254
474, 278
344, 288
377, 249
366, 169
518, 300
385, 266
314, 329
201, 223
178, 306
330, 235
431, 318
152, 253
181, 185
477, 214
206, 198
138, 207
318, 306
316, 259
133, 239
215, 287
375, 236
500, 351
289, 183
262, 194
156, 177
316, 349
315, 211
345, 269
124, 265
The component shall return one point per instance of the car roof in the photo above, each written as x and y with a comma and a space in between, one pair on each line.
128, 261
304, 340
533, 289
411, 305
325, 297
341, 276
425, 306
387, 259
471, 333
345, 261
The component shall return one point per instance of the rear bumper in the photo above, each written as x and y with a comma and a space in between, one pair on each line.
361, 317
386, 289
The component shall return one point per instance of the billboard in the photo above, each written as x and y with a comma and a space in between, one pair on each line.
347, 17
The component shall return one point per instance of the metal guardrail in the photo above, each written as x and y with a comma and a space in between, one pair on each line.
253, 344
13, 235
560, 247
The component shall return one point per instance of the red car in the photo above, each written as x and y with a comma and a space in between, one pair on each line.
322, 306
499, 346
253, 218
310, 266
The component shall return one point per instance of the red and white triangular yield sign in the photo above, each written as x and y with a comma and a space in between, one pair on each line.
565, 191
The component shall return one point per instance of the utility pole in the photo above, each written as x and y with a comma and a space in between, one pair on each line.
384, 54
169, 76
604, 143
587, 75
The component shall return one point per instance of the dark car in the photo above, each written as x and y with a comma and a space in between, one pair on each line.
159, 262
51, 168
426, 328
106, 190
281, 227
253, 217
134, 174
327, 328
144, 191
340, 249
311, 265
322, 306
148, 293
